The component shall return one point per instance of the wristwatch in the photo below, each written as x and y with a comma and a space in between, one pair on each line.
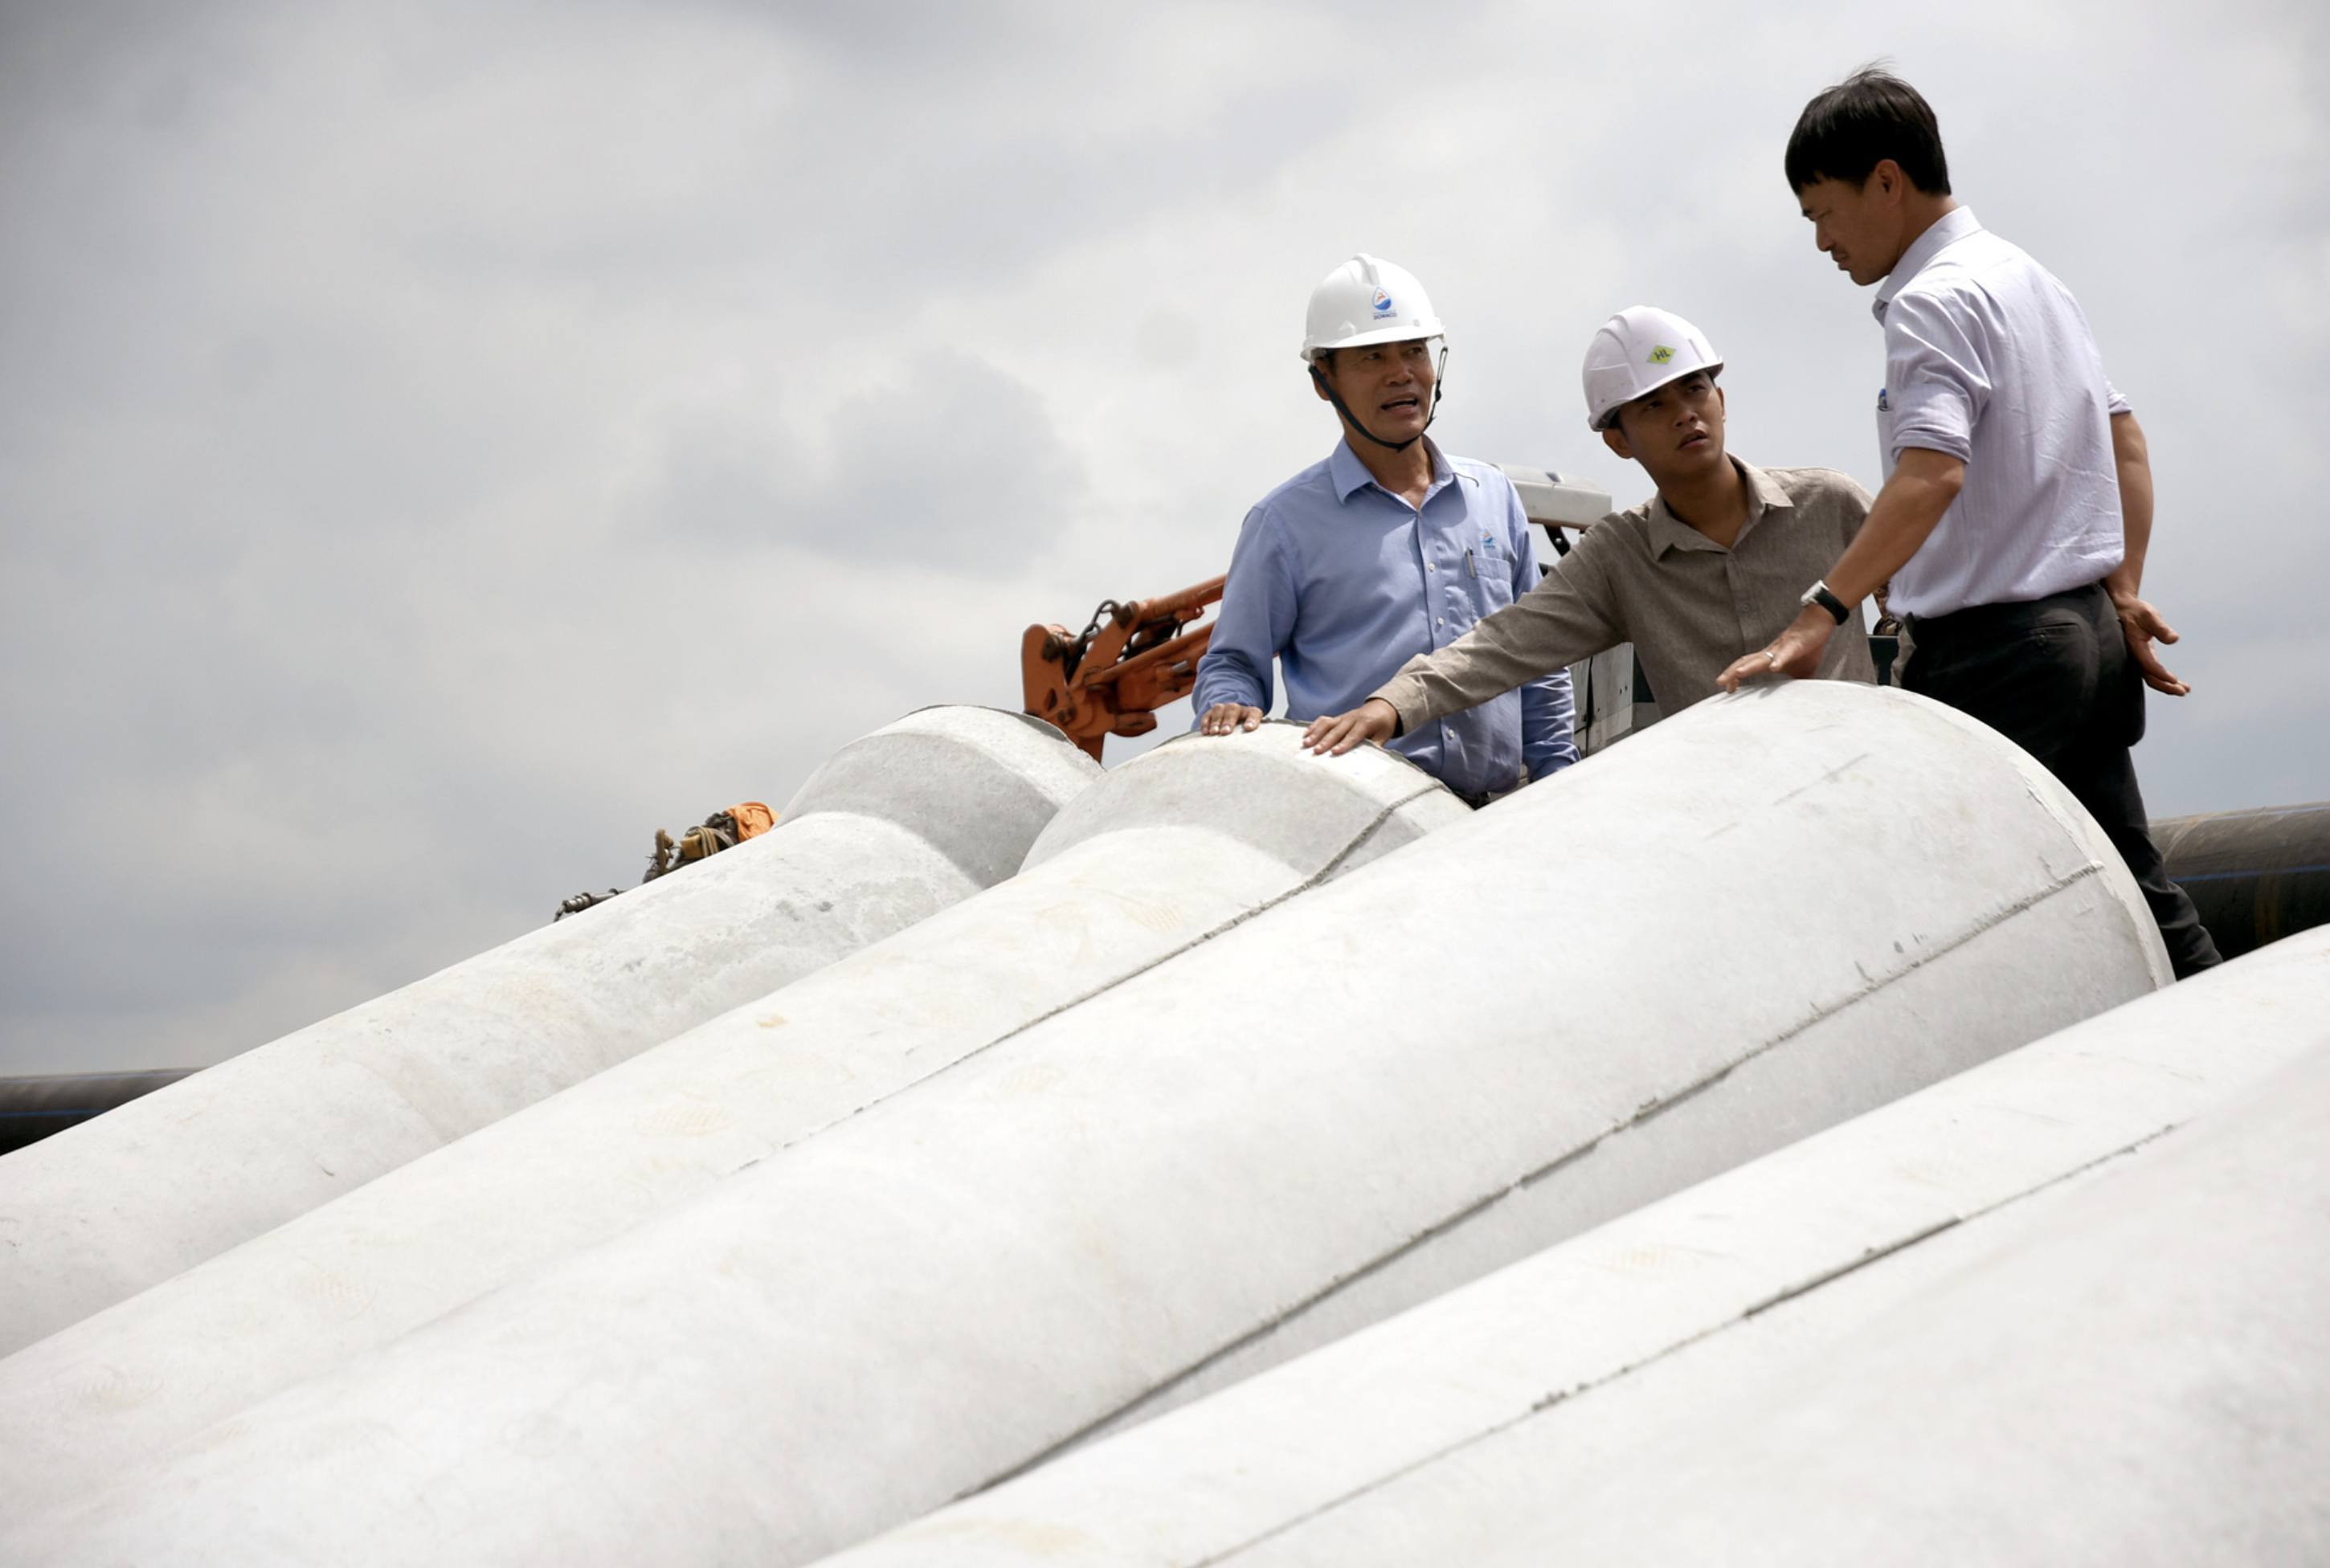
1818, 593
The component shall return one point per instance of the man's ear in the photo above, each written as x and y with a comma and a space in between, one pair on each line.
1890, 182
1616, 440
1318, 384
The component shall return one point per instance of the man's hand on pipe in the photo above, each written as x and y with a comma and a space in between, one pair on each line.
1336, 733
1905, 513
1795, 652
2141, 625
1223, 717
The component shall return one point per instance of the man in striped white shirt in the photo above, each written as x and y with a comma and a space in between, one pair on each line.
2018, 494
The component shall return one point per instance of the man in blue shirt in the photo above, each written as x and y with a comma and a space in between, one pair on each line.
1388, 549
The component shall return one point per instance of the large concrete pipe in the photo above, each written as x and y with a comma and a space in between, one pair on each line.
2141, 1376
891, 828
1174, 846
2255, 877
1764, 915
1500, 1416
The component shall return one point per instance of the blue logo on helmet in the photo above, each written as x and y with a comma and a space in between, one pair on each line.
1383, 303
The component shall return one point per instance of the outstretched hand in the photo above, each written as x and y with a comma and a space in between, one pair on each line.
2141, 625
1336, 733
1224, 717
1794, 652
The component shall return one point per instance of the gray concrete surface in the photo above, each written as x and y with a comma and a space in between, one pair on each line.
1162, 853
1764, 916
892, 828
1517, 1418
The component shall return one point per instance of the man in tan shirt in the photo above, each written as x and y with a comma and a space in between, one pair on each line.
1711, 567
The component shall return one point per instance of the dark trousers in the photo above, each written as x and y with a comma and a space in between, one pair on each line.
2054, 677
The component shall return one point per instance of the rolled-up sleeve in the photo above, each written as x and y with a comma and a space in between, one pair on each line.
1564, 617
2116, 401
1937, 375
1255, 620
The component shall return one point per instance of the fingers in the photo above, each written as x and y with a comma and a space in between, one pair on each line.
2156, 673
2138, 619
1358, 727
1764, 661
1798, 661
1336, 733
1794, 652
2141, 625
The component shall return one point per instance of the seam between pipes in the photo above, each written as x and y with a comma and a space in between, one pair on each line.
1325, 871
1648, 1112
1873, 1255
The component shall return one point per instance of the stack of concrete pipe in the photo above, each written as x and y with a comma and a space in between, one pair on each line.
2064, 1307
1177, 845
1765, 916
891, 829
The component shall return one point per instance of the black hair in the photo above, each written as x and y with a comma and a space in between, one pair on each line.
1610, 420
1872, 114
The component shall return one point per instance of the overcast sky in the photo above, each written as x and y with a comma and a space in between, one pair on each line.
441, 444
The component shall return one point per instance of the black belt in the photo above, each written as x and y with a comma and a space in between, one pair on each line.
1976, 620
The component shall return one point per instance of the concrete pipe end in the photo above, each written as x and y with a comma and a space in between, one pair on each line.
979, 784
1321, 816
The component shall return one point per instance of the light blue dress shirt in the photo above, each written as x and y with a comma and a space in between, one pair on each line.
1342, 582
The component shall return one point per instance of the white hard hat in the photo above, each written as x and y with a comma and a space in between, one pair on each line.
1638, 351
1366, 299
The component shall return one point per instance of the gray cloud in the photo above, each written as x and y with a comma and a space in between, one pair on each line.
949, 462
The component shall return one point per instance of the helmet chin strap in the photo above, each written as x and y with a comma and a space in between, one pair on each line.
1439, 380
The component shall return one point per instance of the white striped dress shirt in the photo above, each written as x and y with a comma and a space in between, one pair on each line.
1989, 360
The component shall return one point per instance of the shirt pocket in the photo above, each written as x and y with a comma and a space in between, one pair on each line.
1489, 568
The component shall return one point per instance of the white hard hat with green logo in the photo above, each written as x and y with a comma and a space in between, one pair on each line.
1638, 351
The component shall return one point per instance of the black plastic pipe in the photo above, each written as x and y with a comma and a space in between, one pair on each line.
31, 1108
2256, 876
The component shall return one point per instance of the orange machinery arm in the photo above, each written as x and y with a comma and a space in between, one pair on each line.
1112, 678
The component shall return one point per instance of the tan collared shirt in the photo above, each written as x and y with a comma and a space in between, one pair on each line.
1688, 605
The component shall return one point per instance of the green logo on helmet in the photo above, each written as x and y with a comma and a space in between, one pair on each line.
1661, 355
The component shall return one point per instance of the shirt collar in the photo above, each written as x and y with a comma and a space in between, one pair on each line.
1669, 532
1348, 474
1947, 229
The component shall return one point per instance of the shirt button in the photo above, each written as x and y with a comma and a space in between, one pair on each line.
1440, 620
1429, 567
